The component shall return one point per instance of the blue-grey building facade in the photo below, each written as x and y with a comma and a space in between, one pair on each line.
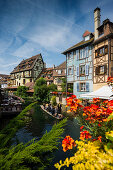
80, 65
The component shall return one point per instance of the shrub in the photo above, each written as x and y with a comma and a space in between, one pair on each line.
52, 87
41, 92
22, 91
53, 100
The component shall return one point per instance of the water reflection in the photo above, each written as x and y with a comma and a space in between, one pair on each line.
42, 122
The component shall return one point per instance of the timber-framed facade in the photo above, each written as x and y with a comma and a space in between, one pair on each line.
103, 51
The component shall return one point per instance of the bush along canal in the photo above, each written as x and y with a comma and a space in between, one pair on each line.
32, 140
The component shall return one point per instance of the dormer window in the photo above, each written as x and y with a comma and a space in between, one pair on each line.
86, 38
59, 71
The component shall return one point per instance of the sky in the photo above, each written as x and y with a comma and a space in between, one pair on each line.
49, 27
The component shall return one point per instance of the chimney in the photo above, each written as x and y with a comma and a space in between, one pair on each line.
96, 21
53, 66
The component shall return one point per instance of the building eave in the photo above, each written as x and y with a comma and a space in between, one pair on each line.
103, 38
78, 45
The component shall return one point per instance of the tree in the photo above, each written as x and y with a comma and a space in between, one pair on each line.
63, 84
53, 100
22, 91
41, 91
41, 81
52, 87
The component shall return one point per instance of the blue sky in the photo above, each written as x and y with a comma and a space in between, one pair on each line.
30, 27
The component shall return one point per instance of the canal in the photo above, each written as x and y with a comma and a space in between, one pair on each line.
39, 123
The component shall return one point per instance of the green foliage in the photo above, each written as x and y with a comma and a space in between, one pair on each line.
34, 153
52, 87
28, 100
22, 91
10, 130
41, 81
41, 91
53, 100
63, 84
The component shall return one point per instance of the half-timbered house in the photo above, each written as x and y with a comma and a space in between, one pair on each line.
59, 73
103, 50
79, 65
27, 71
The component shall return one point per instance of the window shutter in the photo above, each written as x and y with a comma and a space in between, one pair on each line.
77, 71
106, 49
77, 54
78, 87
90, 50
87, 87
97, 70
105, 69
87, 70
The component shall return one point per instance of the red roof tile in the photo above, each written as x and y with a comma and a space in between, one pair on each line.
86, 33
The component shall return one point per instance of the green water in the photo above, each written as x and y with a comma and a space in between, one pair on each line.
39, 123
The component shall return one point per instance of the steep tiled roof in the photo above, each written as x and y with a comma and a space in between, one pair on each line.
30, 85
4, 75
81, 43
47, 73
86, 33
61, 66
26, 64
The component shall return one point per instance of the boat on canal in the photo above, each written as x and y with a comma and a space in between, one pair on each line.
49, 113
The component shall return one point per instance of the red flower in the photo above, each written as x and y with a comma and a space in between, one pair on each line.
85, 135
68, 143
81, 128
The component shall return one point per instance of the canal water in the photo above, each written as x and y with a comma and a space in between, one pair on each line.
42, 122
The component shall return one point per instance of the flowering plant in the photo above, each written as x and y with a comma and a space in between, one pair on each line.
73, 103
110, 81
96, 136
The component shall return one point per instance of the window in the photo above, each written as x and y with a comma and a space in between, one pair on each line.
82, 70
70, 71
86, 52
70, 87
87, 38
83, 53
59, 71
23, 81
101, 51
82, 86
101, 70
70, 55
77, 54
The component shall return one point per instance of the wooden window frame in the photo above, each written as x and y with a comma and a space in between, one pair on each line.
105, 51
97, 70
80, 74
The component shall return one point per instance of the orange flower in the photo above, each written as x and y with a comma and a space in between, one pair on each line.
99, 138
85, 135
74, 103
68, 143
